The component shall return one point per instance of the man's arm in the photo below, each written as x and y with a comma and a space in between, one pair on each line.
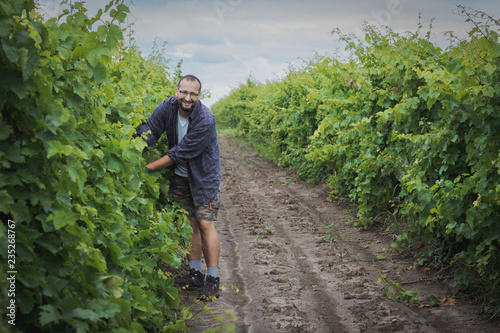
194, 142
155, 124
161, 163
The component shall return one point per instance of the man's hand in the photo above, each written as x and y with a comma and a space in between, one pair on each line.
161, 163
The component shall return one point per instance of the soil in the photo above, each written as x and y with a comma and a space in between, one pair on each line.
291, 261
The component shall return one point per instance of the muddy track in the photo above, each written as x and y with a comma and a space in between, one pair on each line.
290, 262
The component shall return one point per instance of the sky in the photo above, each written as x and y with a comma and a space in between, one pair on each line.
224, 42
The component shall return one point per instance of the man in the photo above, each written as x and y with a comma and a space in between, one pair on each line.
194, 155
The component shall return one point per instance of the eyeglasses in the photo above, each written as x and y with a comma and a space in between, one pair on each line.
185, 93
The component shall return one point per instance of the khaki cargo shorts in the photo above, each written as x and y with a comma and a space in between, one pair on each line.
182, 195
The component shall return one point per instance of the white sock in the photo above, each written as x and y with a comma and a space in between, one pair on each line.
213, 271
196, 264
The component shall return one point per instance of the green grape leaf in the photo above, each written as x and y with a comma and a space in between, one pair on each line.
49, 314
62, 218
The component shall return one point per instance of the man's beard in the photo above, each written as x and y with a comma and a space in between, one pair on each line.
184, 109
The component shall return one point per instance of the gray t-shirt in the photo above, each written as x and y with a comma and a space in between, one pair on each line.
182, 128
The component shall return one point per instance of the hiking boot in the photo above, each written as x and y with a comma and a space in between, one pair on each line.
192, 281
210, 289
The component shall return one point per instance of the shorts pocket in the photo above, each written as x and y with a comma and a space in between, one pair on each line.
215, 203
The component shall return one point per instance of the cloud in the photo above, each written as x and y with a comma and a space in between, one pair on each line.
212, 56
225, 41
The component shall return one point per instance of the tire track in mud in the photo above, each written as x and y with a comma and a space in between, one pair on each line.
278, 236
284, 290
290, 262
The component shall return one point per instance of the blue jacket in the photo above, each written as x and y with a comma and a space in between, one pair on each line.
199, 148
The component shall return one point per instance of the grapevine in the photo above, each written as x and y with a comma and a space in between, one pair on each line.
92, 224
400, 126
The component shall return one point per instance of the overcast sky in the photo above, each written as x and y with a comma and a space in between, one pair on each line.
223, 42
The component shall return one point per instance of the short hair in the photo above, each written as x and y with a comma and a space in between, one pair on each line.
189, 77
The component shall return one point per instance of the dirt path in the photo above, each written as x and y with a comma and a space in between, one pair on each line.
290, 262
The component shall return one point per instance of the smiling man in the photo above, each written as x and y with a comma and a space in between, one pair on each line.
194, 156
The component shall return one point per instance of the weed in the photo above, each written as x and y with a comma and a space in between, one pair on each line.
288, 279
398, 293
332, 234
432, 301
351, 222
382, 255
227, 322
274, 181
270, 230
236, 290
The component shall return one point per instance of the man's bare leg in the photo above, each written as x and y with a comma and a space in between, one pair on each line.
210, 243
195, 252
